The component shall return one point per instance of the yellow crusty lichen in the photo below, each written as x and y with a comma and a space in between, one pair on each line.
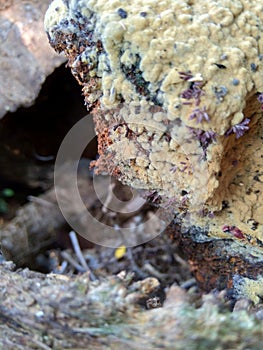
147, 56
57, 12
246, 287
176, 36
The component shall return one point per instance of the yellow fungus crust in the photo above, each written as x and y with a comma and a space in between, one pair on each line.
249, 288
172, 82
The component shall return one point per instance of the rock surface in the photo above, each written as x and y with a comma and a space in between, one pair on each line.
26, 58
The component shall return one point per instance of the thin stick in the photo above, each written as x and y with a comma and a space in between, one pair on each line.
78, 252
73, 262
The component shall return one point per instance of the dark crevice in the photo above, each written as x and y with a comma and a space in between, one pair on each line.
135, 76
31, 137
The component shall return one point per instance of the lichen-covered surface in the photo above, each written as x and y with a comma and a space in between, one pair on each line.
26, 59
175, 88
170, 79
71, 312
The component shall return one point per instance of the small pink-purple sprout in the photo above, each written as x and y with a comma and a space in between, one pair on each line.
199, 114
173, 169
203, 212
169, 202
205, 137
239, 129
185, 75
193, 92
260, 99
233, 230
211, 215
184, 199
183, 168
152, 196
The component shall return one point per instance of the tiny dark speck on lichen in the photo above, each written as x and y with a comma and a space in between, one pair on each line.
122, 13
253, 67
220, 66
220, 92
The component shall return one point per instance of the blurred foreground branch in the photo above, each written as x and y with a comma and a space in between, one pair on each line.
70, 312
